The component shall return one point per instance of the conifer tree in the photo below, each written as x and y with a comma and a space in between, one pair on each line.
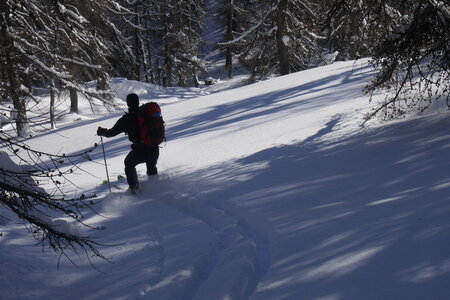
288, 24
353, 27
60, 44
235, 14
414, 59
140, 22
409, 43
182, 21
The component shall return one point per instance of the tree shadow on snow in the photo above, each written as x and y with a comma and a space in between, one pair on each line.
366, 217
299, 99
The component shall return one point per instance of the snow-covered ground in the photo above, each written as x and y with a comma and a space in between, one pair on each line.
276, 190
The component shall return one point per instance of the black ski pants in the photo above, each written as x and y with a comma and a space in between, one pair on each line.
140, 154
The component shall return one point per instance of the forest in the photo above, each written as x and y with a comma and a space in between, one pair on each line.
61, 45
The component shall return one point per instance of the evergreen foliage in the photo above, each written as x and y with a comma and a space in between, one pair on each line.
414, 59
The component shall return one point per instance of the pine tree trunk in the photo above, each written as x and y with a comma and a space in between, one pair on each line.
151, 69
181, 79
144, 62
137, 46
52, 106
150, 64
21, 118
168, 68
195, 77
282, 38
73, 100
354, 34
13, 83
229, 37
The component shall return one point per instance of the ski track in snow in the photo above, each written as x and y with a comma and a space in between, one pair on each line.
238, 259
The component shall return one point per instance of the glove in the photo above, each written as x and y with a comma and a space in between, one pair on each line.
101, 131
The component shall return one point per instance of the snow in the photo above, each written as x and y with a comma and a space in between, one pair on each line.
3, 119
286, 39
276, 190
7, 164
329, 58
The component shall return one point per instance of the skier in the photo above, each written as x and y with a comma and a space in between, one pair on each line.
139, 153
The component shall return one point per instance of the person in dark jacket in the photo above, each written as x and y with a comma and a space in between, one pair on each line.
139, 153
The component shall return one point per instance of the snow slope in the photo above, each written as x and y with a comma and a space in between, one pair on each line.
275, 190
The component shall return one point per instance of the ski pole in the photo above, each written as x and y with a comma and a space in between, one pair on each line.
106, 166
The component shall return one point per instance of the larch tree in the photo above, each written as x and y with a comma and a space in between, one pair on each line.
290, 26
43, 44
409, 43
354, 27
102, 41
413, 60
15, 32
181, 38
140, 22
60, 44
234, 18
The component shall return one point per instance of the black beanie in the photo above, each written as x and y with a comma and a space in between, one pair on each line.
133, 101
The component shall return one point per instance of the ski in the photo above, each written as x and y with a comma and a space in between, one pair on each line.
120, 180
119, 184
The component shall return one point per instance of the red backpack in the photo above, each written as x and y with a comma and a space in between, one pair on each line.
151, 124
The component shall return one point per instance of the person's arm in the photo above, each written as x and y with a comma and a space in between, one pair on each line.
119, 127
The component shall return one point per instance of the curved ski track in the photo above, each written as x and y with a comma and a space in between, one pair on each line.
241, 256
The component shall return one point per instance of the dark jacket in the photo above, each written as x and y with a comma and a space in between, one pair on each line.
127, 124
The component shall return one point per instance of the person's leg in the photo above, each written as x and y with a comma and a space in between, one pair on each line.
152, 159
133, 158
